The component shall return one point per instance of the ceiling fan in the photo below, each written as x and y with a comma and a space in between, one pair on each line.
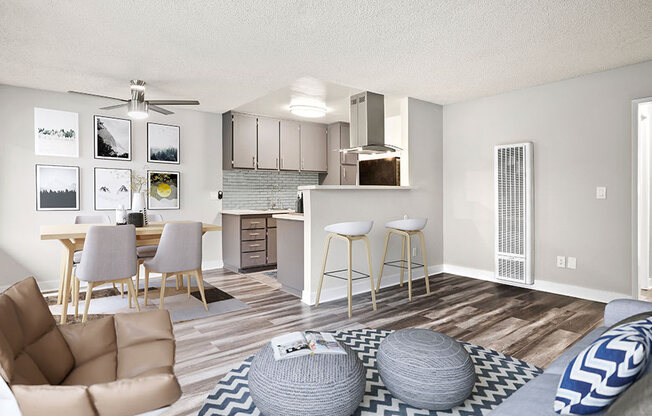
137, 106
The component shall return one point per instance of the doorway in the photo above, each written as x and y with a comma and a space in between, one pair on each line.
643, 131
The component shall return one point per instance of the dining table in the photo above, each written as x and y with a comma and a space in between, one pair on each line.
72, 236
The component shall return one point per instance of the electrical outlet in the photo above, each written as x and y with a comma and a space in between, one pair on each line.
561, 262
601, 192
571, 263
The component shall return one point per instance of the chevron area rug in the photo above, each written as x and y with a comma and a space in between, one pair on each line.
498, 376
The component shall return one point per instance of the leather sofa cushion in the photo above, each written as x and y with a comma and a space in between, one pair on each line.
31, 338
100, 369
91, 339
129, 327
54, 400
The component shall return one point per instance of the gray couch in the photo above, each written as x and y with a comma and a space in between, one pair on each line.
536, 398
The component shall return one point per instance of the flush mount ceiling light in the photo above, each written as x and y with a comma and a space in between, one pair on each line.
310, 111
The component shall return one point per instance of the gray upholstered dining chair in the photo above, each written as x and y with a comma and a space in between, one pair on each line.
179, 252
109, 257
146, 252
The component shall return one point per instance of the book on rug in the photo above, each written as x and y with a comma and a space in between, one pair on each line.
297, 344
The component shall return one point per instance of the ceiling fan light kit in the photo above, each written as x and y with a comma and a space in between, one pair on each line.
137, 107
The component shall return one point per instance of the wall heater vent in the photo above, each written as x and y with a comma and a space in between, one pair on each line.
513, 187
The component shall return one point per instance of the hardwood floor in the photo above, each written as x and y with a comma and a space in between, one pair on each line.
533, 326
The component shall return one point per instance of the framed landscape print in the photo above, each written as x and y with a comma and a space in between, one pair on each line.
162, 190
163, 143
112, 138
56, 133
112, 188
57, 188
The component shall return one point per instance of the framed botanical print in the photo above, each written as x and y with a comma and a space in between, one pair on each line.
57, 188
163, 143
112, 188
112, 138
163, 190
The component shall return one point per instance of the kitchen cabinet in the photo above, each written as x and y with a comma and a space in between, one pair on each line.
342, 167
290, 143
349, 175
248, 242
314, 147
268, 143
345, 143
244, 141
271, 245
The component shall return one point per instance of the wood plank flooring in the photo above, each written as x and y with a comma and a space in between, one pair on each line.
533, 326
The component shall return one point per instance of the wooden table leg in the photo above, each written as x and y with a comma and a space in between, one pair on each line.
62, 273
70, 251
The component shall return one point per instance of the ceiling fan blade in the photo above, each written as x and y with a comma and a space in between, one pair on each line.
97, 95
173, 102
112, 107
159, 109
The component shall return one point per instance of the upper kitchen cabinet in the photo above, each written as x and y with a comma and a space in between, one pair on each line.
314, 147
345, 143
342, 167
239, 137
268, 143
290, 145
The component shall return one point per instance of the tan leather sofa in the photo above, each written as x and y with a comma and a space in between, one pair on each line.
115, 366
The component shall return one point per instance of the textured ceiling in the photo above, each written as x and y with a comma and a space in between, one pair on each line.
226, 54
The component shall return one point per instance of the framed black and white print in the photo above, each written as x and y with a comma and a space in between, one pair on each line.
57, 188
163, 143
112, 138
163, 190
112, 188
56, 133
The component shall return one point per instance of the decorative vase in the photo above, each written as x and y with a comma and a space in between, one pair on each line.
138, 202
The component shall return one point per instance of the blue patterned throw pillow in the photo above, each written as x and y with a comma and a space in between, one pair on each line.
607, 367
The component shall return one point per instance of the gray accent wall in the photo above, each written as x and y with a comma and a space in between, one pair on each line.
253, 189
582, 134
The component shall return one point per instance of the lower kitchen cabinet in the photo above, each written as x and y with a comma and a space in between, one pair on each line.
248, 242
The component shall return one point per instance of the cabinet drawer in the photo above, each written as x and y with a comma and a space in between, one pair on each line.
271, 222
253, 223
248, 246
248, 235
256, 258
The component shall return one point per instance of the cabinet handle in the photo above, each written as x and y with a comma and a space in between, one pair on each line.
254, 257
254, 233
344, 173
301, 163
254, 245
253, 161
276, 163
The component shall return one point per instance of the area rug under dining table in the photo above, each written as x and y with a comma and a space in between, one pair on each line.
497, 377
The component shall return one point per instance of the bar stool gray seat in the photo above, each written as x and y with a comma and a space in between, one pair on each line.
318, 385
349, 232
425, 369
406, 228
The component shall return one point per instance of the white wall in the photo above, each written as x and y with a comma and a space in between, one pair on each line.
581, 130
328, 206
22, 253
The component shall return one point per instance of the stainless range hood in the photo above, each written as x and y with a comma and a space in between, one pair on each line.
367, 131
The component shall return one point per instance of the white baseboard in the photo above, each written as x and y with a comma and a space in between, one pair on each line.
541, 285
363, 286
212, 264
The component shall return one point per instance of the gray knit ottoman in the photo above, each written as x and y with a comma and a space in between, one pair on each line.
425, 369
320, 385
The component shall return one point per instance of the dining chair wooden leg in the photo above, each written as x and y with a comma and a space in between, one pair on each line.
138, 277
382, 263
163, 277
62, 276
122, 290
402, 258
409, 256
146, 284
180, 277
189, 277
87, 301
177, 281
132, 293
371, 273
426, 275
76, 283
200, 282
349, 291
323, 268
128, 294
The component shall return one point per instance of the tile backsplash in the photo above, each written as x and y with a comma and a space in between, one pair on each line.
250, 189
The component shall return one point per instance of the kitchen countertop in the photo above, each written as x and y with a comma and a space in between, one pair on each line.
254, 211
352, 187
290, 216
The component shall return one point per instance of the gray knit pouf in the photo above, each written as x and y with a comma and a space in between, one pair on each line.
320, 385
425, 369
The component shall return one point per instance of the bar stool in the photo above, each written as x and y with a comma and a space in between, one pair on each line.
349, 232
406, 228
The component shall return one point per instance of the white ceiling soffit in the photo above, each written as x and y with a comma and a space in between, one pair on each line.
226, 54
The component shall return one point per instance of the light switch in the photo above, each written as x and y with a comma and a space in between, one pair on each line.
571, 263
561, 262
601, 192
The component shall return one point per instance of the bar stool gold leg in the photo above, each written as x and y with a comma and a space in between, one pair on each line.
426, 275
382, 263
409, 253
350, 287
371, 273
402, 258
323, 268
